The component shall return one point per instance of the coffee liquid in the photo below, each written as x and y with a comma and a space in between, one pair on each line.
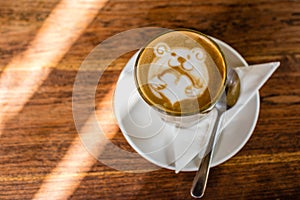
181, 72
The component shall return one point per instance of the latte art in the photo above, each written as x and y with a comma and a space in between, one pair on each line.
178, 73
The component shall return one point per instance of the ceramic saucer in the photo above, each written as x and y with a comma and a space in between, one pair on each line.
150, 136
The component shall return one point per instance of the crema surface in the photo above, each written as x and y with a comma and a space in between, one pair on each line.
180, 72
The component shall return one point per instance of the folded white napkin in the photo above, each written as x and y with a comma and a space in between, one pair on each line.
164, 144
191, 143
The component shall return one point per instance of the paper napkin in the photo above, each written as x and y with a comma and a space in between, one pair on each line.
190, 144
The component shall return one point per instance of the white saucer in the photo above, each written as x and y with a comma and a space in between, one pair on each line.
149, 136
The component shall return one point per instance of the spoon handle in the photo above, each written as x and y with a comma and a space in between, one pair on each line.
200, 180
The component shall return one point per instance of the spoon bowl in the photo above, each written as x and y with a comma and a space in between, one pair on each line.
228, 100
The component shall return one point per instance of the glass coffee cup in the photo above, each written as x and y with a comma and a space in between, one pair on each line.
181, 74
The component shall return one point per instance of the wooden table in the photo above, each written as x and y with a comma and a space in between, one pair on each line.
43, 44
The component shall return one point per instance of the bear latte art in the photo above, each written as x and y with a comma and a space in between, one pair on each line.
180, 72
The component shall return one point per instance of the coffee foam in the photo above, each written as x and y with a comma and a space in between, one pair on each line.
178, 73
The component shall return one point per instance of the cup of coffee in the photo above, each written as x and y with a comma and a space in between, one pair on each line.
181, 74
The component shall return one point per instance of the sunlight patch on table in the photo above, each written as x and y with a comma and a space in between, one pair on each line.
57, 34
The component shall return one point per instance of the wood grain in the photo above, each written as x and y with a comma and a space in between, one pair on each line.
39, 142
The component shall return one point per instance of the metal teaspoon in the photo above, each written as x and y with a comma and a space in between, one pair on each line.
227, 100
